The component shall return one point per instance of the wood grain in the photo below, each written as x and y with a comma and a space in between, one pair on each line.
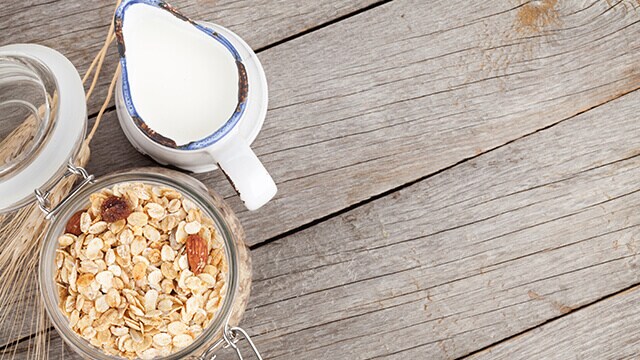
610, 329
352, 117
480, 252
488, 249
78, 28
409, 88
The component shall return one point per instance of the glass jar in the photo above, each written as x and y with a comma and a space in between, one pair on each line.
236, 252
43, 119
42, 100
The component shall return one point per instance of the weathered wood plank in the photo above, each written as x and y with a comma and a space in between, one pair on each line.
370, 116
475, 254
422, 86
488, 249
19, 321
609, 329
78, 28
378, 102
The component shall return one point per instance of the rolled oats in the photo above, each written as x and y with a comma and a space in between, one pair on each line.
155, 210
138, 245
165, 305
182, 340
168, 254
66, 240
192, 227
101, 304
127, 284
161, 339
138, 219
93, 248
151, 233
85, 222
98, 227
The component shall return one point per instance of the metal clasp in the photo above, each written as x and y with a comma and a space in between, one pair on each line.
43, 196
230, 338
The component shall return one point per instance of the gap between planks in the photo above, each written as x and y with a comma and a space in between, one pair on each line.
632, 287
406, 185
423, 178
426, 175
112, 108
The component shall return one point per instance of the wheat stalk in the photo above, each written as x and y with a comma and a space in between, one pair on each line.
22, 234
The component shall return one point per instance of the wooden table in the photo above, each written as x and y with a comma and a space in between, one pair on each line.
456, 178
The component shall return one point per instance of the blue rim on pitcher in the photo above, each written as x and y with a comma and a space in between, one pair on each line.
243, 85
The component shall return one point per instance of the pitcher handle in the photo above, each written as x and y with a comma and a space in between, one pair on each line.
245, 172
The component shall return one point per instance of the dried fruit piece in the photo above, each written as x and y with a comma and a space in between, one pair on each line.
114, 208
197, 253
73, 224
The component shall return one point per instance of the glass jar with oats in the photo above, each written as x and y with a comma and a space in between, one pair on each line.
142, 264
145, 264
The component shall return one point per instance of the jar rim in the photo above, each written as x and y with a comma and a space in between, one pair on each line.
189, 187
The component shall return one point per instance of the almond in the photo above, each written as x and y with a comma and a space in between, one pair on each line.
73, 224
197, 253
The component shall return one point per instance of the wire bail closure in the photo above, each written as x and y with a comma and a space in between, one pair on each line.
230, 338
43, 196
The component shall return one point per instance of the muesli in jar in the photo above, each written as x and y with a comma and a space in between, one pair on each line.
141, 272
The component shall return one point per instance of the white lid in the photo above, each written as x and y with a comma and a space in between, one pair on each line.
40, 79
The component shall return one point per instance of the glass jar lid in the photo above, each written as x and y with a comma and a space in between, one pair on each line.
42, 120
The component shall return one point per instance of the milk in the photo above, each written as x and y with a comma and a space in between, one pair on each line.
183, 82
